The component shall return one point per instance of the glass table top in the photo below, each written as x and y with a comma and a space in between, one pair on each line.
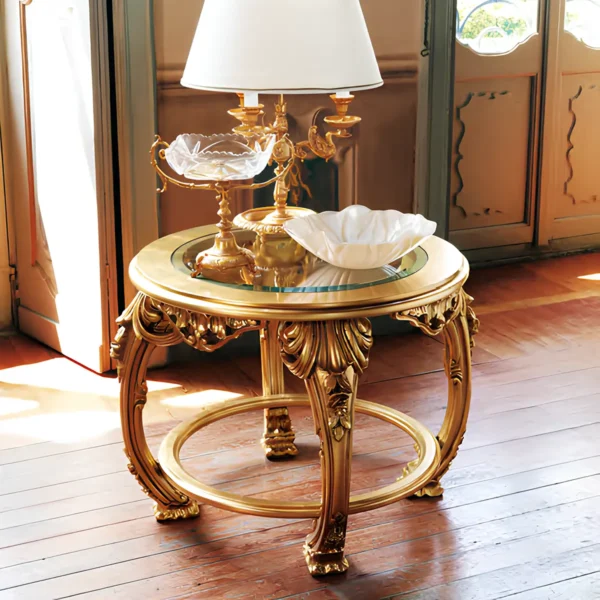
282, 265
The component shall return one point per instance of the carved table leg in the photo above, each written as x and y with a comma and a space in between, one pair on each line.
278, 438
133, 354
457, 364
456, 319
145, 324
329, 356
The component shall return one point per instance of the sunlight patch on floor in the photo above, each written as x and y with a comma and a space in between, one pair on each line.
67, 376
59, 401
591, 277
188, 405
62, 428
13, 406
199, 399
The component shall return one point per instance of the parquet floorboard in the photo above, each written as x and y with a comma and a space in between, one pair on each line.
519, 518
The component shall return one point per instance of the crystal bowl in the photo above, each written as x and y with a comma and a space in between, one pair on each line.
360, 238
220, 157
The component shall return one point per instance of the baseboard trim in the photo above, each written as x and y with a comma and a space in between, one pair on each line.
488, 257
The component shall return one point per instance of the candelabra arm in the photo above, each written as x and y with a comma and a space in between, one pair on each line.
320, 146
342, 122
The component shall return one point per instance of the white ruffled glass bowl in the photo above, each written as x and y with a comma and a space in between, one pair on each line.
220, 157
360, 238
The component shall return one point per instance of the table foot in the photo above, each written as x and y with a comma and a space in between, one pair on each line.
322, 563
278, 439
433, 489
188, 511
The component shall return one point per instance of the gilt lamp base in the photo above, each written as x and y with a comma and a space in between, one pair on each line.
267, 220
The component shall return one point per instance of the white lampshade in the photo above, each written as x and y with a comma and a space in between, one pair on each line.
282, 47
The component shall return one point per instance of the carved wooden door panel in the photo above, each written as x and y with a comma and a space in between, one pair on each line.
571, 169
56, 139
499, 61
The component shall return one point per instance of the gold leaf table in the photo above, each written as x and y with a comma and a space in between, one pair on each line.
314, 319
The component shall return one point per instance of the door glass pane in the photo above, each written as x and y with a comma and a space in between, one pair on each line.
582, 19
495, 26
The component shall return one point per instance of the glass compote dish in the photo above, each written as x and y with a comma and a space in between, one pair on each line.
222, 163
220, 157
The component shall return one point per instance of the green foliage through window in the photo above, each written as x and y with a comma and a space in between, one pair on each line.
485, 19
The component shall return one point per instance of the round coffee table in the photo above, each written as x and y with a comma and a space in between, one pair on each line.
314, 319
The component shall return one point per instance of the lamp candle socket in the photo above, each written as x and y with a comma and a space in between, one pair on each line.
251, 99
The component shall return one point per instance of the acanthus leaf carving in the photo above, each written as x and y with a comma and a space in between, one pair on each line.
336, 535
433, 318
455, 372
327, 349
472, 320
329, 356
339, 390
118, 346
455, 317
162, 324
206, 332
331, 346
143, 325
134, 472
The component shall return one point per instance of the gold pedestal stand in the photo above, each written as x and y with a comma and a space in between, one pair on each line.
225, 261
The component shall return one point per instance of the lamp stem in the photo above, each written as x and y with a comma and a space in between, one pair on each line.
281, 189
281, 193
225, 224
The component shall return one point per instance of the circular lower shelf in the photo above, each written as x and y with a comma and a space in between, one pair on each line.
420, 473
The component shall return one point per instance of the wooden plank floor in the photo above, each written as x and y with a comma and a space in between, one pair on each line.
519, 519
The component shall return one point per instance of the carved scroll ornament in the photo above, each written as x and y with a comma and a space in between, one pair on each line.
161, 324
433, 318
